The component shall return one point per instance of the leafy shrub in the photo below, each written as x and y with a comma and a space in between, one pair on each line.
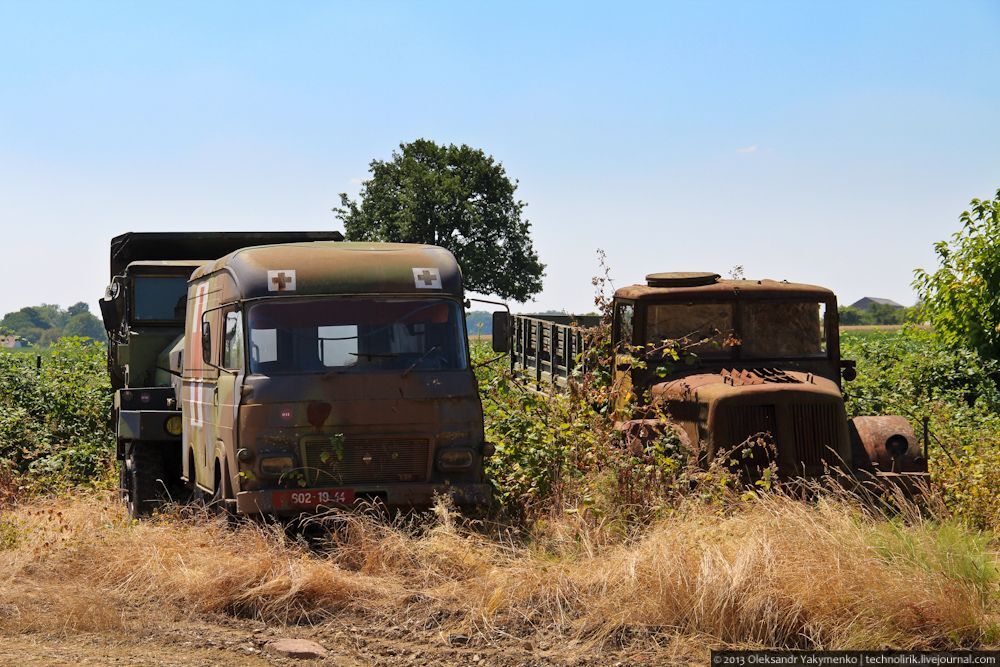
53, 420
916, 374
559, 450
960, 297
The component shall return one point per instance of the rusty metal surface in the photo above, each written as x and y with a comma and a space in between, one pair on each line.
740, 377
872, 434
795, 403
804, 416
727, 289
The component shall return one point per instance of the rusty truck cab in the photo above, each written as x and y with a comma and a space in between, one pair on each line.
736, 361
319, 374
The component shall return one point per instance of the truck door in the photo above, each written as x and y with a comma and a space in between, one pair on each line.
227, 396
199, 386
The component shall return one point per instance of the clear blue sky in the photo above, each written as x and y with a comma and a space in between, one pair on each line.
831, 143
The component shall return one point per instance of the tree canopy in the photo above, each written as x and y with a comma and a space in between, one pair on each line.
455, 197
45, 324
961, 299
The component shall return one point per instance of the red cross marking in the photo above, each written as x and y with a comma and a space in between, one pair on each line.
281, 281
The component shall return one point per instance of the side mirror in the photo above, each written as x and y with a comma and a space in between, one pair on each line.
501, 331
112, 307
206, 342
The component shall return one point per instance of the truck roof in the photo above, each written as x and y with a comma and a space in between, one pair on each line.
709, 287
167, 263
339, 268
133, 246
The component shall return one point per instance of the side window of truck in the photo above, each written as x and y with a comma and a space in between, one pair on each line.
626, 312
232, 351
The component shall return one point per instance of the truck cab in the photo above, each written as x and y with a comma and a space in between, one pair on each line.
320, 374
296, 372
737, 362
748, 368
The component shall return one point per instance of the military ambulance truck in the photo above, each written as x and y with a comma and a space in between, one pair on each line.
295, 372
731, 366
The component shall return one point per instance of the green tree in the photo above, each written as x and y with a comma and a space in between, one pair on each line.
961, 299
455, 197
84, 325
77, 308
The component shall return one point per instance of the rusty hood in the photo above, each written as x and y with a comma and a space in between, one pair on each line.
731, 382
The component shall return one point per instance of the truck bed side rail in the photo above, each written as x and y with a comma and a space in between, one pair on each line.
547, 347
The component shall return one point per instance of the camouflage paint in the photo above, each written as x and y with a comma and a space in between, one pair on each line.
384, 416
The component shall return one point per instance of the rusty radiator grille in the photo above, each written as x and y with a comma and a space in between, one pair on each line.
815, 427
364, 460
746, 421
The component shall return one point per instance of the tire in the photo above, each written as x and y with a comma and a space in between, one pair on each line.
143, 481
213, 502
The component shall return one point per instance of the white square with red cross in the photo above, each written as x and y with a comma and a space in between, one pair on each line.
281, 280
426, 278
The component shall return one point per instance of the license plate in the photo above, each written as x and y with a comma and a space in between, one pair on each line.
311, 498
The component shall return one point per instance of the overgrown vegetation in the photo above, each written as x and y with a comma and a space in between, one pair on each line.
916, 374
53, 418
961, 299
878, 314
595, 539
771, 571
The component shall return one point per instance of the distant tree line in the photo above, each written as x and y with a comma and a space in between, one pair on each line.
877, 314
45, 324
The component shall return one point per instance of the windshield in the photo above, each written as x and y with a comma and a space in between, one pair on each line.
356, 335
756, 330
159, 298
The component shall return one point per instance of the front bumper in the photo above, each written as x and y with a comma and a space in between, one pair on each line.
401, 496
911, 484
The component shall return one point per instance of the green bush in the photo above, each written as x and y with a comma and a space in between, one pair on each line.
915, 374
960, 298
54, 420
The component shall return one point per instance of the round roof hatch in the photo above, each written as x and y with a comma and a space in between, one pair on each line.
681, 279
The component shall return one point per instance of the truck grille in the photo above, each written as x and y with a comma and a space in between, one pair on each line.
816, 432
360, 460
746, 421
756, 423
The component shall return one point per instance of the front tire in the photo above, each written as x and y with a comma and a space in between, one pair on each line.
143, 479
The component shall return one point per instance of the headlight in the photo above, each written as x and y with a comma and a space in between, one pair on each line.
276, 465
174, 425
454, 459
897, 445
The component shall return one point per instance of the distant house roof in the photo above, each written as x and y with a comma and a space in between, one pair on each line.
865, 303
9, 341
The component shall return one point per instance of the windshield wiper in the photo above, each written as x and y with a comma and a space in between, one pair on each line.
419, 359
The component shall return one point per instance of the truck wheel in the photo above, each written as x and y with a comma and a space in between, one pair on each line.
142, 479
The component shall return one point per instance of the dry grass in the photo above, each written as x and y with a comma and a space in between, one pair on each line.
771, 572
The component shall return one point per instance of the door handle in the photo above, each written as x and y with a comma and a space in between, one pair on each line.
215, 396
